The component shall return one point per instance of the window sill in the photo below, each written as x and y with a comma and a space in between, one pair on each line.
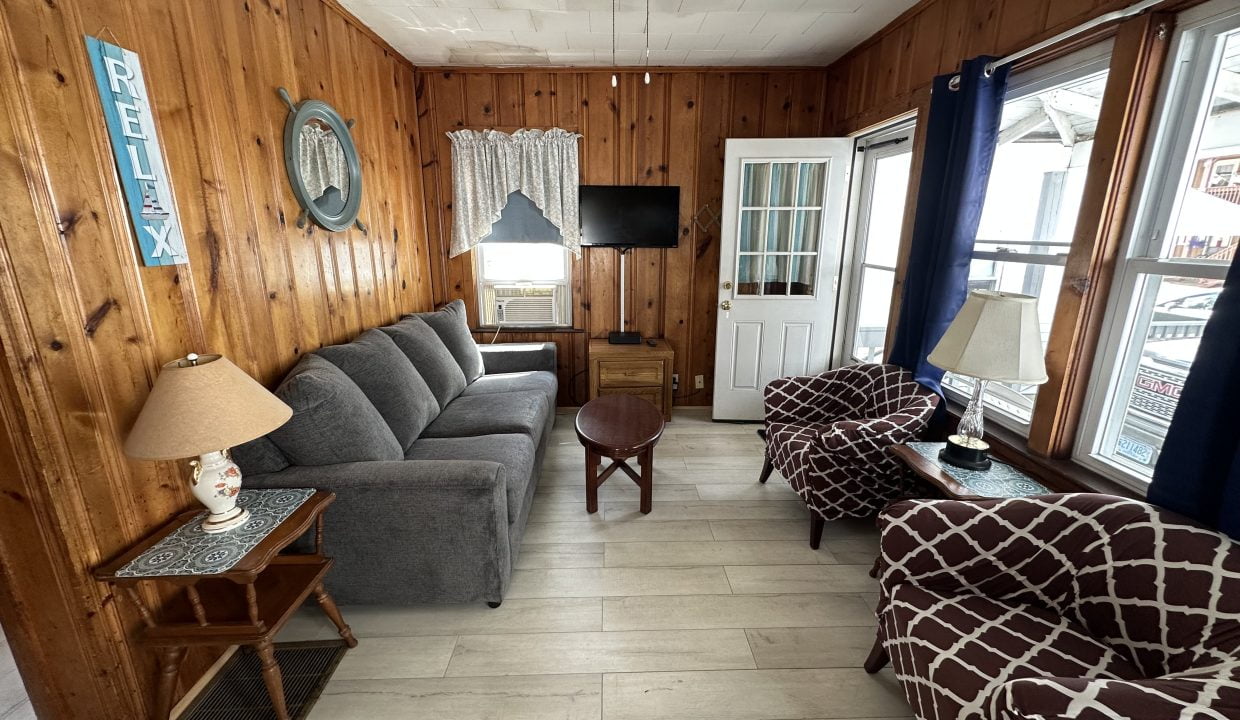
519, 329
1057, 474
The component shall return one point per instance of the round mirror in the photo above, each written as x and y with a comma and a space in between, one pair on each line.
322, 164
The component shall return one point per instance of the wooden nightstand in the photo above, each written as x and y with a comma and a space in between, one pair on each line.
639, 370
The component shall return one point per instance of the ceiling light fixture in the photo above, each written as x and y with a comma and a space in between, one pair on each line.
647, 42
614, 80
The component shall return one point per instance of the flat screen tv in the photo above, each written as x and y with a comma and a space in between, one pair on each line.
630, 216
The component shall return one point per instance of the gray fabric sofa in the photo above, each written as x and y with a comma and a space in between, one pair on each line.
432, 445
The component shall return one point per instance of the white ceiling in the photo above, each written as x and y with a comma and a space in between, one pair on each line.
578, 32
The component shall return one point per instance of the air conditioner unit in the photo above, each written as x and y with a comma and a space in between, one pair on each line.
515, 305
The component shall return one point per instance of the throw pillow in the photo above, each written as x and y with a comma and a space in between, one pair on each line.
430, 356
452, 327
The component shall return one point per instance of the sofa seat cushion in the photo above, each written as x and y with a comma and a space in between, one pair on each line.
952, 652
514, 453
522, 412
453, 328
430, 357
390, 382
539, 380
333, 421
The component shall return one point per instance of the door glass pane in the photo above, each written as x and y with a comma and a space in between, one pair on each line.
779, 231
749, 275
886, 211
753, 230
803, 275
775, 280
783, 184
872, 308
809, 189
808, 228
1171, 313
756, 176
1208, 223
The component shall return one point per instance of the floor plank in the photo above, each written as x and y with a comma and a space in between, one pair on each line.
746, 579
539, 697
743, 552
811, 647
736, 611
601, 582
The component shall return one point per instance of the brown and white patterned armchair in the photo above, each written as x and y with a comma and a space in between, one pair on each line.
828, 435
1058, 606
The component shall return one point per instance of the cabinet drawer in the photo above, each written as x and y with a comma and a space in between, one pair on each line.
629, 373
652, 395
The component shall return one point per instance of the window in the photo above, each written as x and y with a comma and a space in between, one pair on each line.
523, 284
1032, 199
1185, 230
883, 165
780, 224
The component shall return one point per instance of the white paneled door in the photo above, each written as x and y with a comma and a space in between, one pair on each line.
783, 224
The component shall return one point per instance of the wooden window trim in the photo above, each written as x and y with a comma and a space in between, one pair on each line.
1137, 64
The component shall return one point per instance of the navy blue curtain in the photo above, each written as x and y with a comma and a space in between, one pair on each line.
962, 131
1198, 470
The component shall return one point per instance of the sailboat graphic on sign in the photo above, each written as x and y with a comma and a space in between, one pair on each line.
151, 209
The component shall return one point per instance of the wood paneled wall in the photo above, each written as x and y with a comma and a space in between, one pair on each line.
890, 73
670, 132
84, 327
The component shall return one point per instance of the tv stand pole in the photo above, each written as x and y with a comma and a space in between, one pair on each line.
621, 337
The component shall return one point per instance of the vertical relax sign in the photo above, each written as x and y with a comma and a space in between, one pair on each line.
135, 146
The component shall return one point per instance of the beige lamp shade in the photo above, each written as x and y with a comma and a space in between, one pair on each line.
995, 336
202, 407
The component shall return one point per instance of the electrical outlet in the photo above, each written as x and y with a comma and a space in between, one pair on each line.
699, 381
675, 381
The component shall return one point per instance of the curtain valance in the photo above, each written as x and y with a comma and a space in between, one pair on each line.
489, 165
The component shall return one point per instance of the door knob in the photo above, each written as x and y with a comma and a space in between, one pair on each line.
727, 285
726, 304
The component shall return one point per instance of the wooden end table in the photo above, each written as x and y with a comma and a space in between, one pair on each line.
238, 589
957, 483
619, 427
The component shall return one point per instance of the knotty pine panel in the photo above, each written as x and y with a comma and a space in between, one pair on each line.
885, 76
669, 132
84, 327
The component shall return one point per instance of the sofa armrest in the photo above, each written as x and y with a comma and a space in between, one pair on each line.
407, 531
1025, 550
1207, 696
518, 357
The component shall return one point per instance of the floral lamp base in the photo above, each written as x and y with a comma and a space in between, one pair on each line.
216, 483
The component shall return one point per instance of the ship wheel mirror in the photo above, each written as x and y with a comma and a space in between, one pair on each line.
322, 164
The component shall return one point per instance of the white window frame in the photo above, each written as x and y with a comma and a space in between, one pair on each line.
1192, 63
564, 287
1080, 64
900, 136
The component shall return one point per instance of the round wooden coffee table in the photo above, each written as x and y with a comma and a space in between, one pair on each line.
619, 427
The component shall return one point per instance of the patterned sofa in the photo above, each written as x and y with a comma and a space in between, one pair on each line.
828, 434
1058, 606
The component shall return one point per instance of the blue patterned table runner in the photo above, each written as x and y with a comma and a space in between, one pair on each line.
190, 551
1000, 481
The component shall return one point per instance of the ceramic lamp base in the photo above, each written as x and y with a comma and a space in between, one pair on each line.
216, 483
968, 453
226, 521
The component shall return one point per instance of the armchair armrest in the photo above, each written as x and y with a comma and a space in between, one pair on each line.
1203, 696
518, 357
844, 436
1024, 550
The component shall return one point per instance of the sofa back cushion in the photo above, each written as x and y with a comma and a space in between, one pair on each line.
429, 356
452, 327
389, 381
259, 456
332, 421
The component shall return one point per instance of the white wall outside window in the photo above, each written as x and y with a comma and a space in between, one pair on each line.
1181, 240
535, 270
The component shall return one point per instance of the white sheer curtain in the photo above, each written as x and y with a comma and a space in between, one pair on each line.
488, 165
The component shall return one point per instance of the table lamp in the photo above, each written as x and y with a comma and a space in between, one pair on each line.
203, 405
995, 336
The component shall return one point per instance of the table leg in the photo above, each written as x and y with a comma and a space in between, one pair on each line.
333, 614
591, 481
647, 484
169, 665
273, 679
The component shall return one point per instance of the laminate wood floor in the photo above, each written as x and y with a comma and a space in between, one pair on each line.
712, 606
